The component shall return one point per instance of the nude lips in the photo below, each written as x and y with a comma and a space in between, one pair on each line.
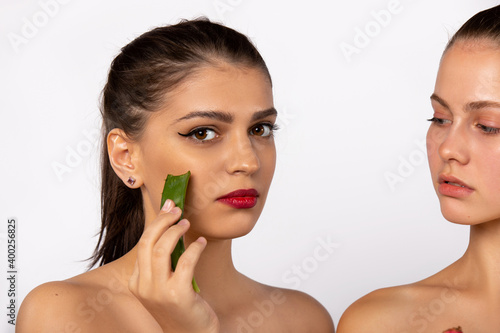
240, 199
453, 187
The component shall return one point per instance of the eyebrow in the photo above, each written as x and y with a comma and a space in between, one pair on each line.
227, 117
217, 115
482, 105
472, 106
264, 113
438, 99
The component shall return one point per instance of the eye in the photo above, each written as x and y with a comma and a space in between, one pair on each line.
263, 130
201, 134
488, 130
439, 121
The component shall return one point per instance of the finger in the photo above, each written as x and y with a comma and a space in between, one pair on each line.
166, 218
161, 258
152, 233
185, 267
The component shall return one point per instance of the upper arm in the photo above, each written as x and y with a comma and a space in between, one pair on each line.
51, 307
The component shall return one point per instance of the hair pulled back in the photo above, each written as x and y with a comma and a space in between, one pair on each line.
485, 25
138, 82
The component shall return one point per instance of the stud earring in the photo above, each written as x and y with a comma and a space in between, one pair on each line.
131, 181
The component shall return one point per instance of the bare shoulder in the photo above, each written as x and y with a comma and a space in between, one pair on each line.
70, 305
50, 307
303, 311
370, 312
394, 309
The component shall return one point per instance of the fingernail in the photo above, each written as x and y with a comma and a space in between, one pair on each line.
175, 210
182, 222
168, 205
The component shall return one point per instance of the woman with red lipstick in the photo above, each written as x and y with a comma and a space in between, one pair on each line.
463, 145
195, 96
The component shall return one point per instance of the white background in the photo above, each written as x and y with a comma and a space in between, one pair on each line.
347, 123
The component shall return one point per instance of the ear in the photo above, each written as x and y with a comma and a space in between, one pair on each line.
121, 156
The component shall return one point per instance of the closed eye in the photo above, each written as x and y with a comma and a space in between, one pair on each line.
488, 130
439, 121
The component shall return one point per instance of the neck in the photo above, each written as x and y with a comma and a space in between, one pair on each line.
215, 262
215, 273
482, 258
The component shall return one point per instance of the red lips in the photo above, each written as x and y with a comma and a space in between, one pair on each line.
240, 199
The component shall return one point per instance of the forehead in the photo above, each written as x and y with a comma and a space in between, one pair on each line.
469, 72
227, 88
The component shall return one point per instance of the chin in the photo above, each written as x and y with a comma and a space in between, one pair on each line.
224, 223
221, 235
233, 235
223, 229
462, 217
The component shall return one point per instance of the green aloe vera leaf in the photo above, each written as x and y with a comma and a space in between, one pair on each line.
175, 189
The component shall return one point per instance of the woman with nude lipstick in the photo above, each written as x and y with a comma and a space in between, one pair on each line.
195, 96
463, 145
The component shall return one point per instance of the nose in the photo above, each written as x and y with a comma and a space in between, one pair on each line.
242, 156
453, 144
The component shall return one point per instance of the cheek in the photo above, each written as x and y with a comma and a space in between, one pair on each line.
269, 159
206, 184
159, 163
435, 137
155, 169
433, 143
488, 169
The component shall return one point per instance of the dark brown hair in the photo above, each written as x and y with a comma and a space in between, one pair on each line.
138, 82
483, 25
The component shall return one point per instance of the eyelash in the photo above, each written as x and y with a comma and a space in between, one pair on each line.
272, 128
486, 129
437, 121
